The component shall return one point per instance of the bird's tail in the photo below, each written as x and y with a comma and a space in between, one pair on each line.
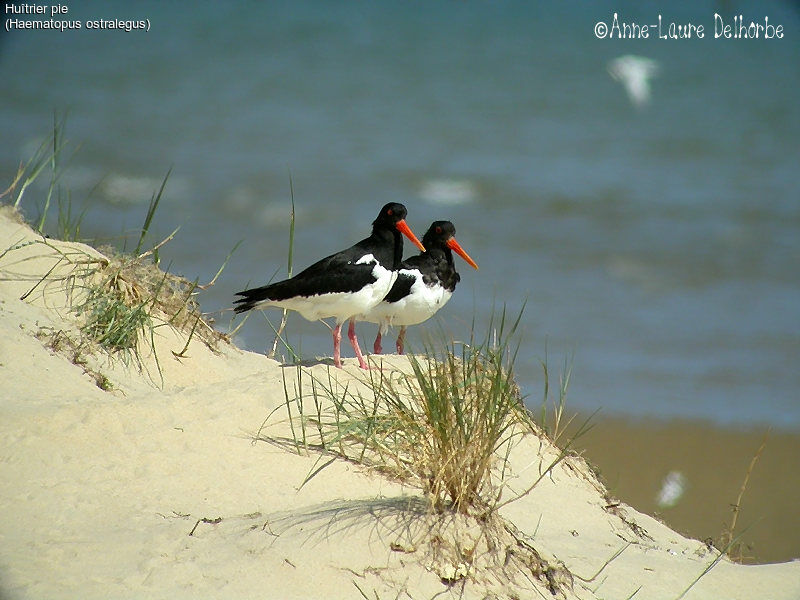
250, 299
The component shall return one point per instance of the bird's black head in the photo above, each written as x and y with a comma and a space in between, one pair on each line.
392, 218
441, 235
438, 234
390, 215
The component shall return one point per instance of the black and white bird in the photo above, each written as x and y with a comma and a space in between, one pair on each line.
425, 283
343, 285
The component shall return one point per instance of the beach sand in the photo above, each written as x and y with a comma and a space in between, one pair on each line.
157, 489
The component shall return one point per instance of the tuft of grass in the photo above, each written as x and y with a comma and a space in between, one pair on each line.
447, 427
122, 297
467, 410
111, 321
119, 302
128, 297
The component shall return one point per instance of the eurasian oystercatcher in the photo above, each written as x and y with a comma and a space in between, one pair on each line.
425, 283
343, 285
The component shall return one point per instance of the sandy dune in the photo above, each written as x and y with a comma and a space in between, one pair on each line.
156, 489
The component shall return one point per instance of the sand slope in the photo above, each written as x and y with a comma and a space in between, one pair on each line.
101, 489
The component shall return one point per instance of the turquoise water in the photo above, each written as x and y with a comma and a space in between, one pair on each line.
659, 246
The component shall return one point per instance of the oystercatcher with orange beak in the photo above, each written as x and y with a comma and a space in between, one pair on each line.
343, 285
425, 283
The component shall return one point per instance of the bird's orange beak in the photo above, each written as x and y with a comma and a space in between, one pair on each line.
406, 231
456, 247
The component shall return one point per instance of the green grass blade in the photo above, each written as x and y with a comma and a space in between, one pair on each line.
151, 211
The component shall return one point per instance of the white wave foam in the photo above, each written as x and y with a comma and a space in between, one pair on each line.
448, 191
132, 190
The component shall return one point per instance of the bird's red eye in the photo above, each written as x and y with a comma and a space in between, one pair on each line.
389, 212
438, 230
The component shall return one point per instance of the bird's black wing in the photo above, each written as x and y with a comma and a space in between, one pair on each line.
336, 273
401, 288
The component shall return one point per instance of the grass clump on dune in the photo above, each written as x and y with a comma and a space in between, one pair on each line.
111, 321
118, 299
447, 427
457, 414
127, 296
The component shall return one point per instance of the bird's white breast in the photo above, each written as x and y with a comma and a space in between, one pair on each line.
419, 305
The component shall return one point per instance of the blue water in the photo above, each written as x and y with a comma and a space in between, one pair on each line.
658, 247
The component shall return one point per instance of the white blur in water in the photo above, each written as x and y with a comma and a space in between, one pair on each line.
448, 191
672, 489
634, 73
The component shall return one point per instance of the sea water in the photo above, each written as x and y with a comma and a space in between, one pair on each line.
651, 226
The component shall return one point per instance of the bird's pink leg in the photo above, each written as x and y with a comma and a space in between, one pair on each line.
351, 333
337, 342
377, 348
400, 337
